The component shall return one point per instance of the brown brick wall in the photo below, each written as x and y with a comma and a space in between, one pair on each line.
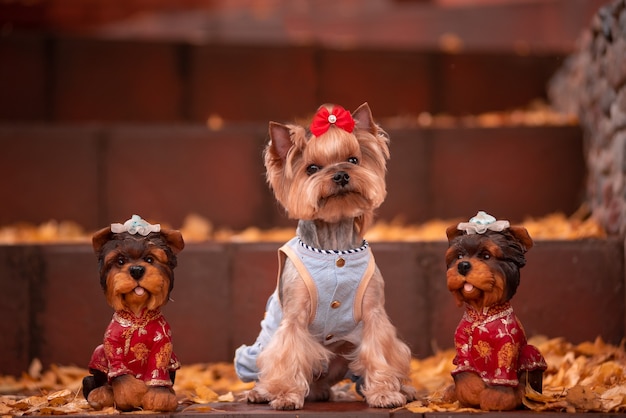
74, 79
96, 175
54, 309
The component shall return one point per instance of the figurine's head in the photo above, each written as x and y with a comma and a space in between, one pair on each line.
136, 262
331, 171
483, 260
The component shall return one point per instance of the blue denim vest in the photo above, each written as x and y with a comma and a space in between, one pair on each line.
336, 281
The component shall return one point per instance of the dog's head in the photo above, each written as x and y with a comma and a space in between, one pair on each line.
136, 262
333, 170
484, 259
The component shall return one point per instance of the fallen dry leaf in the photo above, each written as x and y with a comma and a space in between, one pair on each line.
205, 395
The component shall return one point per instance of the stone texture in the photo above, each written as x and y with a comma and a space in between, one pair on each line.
592, 84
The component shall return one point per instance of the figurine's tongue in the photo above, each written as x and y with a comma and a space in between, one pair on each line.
468, 287
139, 290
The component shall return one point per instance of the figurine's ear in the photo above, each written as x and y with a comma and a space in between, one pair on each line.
280, 140
100, 238
174, 239
452, 232
363, 118
522, 236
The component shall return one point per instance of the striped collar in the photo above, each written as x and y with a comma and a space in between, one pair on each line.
334, 252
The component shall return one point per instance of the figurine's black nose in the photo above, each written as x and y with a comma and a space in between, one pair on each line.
341, 178
137, 271
464, 267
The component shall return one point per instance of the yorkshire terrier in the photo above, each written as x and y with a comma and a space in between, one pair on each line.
135, 366
494, 363
326, 320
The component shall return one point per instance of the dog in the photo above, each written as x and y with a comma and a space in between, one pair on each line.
493, 360
326, 320
135, 367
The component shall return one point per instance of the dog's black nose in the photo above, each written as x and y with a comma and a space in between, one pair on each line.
136, 271
464, 267
341, 178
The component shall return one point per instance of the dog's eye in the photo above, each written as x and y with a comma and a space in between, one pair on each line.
486, 256
459, 256
120, 261
353, 160
149, 259
312, 169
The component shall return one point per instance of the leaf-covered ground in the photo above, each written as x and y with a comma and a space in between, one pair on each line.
588, 377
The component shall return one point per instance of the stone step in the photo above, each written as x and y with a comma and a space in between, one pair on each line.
69, 79
50, 292
97, 174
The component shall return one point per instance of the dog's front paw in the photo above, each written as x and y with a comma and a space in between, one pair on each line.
449, 394
101, 397
254, 396
287, 402
500, 398
319, 393
160, 399
409, 392
468, 386
385, 399
128, 392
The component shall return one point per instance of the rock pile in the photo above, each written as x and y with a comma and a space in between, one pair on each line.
592, 85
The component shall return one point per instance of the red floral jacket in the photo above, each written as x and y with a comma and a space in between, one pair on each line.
140, 346
493, 345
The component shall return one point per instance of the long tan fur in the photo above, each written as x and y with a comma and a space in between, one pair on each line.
294, 366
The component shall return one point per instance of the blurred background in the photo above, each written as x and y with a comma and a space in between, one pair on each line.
161, 106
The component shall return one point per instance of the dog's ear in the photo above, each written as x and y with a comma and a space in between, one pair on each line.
100, 238
522, 235
452, 232
174, 240
281, 143
363, 118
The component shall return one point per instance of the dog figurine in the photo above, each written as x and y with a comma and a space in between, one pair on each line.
135, 366
493, 360
326, 320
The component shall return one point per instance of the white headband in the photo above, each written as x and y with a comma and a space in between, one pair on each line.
482, 222
135, 225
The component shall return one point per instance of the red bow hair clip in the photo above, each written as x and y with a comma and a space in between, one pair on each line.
337, 116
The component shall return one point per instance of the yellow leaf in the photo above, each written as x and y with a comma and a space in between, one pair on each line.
204, 395
583, 398
60, 397
198, 408
419, 409
229, 397
613, 398
608, 373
